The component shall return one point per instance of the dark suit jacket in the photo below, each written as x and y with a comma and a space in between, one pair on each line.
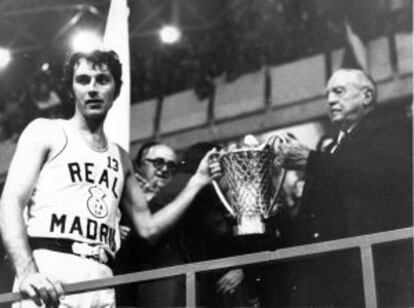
365, 186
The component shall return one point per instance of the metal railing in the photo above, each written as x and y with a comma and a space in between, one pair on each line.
363, 242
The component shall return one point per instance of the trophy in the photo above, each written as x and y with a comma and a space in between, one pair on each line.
253, 177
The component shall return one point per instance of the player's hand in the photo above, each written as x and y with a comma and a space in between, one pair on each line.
209, 167
228, 283
42, 289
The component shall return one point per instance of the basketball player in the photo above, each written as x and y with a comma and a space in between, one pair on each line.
72, 178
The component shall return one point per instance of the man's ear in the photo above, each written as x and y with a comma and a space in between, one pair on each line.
368, 97
137, 165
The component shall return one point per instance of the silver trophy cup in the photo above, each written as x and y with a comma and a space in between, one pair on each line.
253, 178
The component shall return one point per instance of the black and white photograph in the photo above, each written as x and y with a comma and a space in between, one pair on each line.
206, 153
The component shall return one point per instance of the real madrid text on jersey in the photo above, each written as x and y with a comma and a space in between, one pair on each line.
87, 172
78, 193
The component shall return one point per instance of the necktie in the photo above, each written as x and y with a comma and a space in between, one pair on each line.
339, 140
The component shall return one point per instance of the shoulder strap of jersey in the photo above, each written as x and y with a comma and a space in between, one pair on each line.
60, 145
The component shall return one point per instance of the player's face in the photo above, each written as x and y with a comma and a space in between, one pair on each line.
94, 89
159, 164
345, 98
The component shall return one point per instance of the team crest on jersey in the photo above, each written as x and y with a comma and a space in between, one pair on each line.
96, 204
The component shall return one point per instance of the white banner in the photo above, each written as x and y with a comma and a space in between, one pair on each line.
116, 38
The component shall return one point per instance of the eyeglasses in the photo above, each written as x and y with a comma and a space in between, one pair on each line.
159, 163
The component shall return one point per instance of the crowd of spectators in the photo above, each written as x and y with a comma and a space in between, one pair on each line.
39, 96
246, 36
255, 33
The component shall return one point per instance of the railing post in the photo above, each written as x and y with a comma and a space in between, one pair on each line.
368, 276
190, 289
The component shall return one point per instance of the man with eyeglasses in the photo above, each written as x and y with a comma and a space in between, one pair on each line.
154, 164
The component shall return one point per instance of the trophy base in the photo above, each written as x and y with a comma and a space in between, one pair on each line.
250, 225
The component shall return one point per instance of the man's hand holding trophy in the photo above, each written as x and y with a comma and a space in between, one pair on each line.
249, 175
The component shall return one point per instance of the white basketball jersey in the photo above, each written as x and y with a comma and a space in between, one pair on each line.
77, 193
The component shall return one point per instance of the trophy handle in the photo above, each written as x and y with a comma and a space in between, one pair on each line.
279, 187
223, 198
272, 140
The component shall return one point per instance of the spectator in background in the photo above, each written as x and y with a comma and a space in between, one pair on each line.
18, 113
207, 233
363, 185
292, 191
46, 100
203, 234
154, 166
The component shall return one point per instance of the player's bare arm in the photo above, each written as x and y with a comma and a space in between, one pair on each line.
151, 226
37, 143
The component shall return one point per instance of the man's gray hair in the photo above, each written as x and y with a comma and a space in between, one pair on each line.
365, 81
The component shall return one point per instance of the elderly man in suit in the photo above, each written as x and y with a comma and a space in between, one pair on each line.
362, 184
